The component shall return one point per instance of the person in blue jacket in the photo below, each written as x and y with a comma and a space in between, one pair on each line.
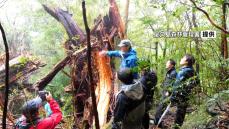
127, 54
185, 82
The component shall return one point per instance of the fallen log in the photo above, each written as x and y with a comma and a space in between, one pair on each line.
20, 67
40, 85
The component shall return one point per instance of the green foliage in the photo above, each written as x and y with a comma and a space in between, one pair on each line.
42, 36
197, 119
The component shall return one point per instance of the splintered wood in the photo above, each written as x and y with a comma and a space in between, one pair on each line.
104, 87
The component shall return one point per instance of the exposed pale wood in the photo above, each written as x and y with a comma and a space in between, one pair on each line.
104, 87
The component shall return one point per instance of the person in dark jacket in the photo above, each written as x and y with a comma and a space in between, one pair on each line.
129, 97
149, 81
30, 114
167, 84
185, 82
127, 54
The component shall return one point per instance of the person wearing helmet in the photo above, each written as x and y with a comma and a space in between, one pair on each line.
130, 96
30, 114
127, 54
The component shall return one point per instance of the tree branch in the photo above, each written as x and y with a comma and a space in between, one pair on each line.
208, 17
41, 84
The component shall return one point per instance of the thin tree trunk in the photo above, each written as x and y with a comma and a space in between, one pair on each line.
156, 48
92, 89
224, 47
196, 41
126, 15
6, 78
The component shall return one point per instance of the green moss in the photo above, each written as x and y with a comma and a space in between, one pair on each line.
23, 60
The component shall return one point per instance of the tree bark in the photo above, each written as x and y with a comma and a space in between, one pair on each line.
224, 47
40, 85
91, 84
196, 41
6, 77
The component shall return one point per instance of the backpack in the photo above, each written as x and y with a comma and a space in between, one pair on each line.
22, 123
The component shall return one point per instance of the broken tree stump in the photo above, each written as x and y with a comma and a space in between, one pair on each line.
106, 28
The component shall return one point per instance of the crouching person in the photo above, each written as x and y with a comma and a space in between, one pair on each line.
130, 103
30, 114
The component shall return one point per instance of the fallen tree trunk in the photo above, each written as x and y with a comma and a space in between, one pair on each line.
40, 85
20, 66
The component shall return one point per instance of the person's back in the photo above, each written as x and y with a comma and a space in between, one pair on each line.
129, 98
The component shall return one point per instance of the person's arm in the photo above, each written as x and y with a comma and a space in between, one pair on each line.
114, 53
56, 112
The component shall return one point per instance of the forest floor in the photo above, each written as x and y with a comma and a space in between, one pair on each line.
213, 113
